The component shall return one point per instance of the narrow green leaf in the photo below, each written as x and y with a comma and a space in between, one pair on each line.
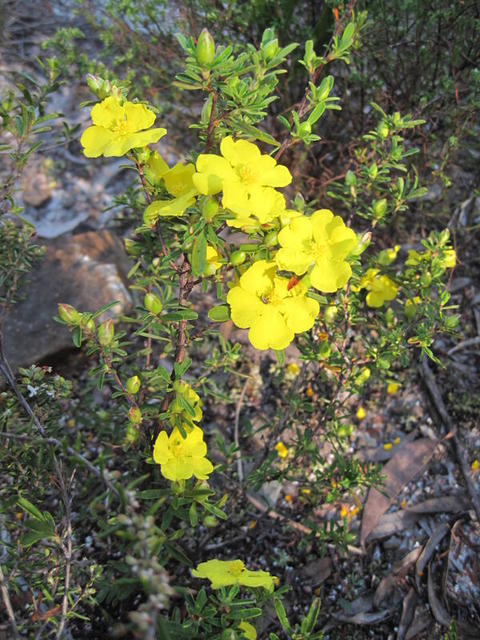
199, 255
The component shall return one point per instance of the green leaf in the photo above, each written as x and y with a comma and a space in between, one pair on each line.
77, 337
153, 494
181, 368
220, 313
282, 615
30, 508
280, 355
257, 134
199, 255
193, 515
182, 314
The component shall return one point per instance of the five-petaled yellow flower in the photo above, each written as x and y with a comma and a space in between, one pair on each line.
321, 240
181, 458
379, 286
281, 449
223, 573
263, 302
118, 127
246, 177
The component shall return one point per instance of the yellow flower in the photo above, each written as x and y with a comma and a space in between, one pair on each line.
321, 240
380, 288
263, 302
392, 388
118, 127
249, 631
177, 181
387, 256
387, 446
223, 573
475, 465
212, 261
246, 177
449, 259
292, 371
360, 413
396, 441
281, 449
181, 458
185, 397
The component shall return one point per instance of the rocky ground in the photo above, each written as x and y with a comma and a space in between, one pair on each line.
415, 564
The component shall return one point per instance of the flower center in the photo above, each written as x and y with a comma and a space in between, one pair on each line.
246, 173
236, 568
320, 251
177, 447
122, 127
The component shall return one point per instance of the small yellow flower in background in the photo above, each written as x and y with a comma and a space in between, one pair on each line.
292, 371
288, 498
306, 491
246, 177
475, 465
274, 313
118, 128
181, 458
309, 392
321, 240
387, 446
223, 573
396, 441
248, 630
380, 288
344, 511
449, 259
363, 376
184, 391
281, 449
403, 504
392, 388
360, 413
411, 306
387, 256
213, 264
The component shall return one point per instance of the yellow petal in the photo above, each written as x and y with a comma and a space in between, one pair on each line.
258, 278
245, 307
278, 176
270, 331
107, 113
95, 140
291, 259
239, 152
119, 145
320, 220
328, 276
201, 468
138, 116
161, 451
300, 313
235, 197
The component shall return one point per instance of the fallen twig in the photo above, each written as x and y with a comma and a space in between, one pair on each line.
8, 604
437, 400
238, 453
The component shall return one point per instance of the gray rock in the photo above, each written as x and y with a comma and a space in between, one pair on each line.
87, 270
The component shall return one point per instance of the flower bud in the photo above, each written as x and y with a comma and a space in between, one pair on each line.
143, 154
133, 385
205, 48
379, 207
131, 434
105, 333
425, 279
330, 314
383, 130
304, 129
210, 209
237, 258
350, 178
68, 314
373, 171
271, 239
270, 49
152, 303
135, 415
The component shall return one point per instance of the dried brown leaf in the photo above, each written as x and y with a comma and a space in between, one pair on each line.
408, 611
405, 465
429, 549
